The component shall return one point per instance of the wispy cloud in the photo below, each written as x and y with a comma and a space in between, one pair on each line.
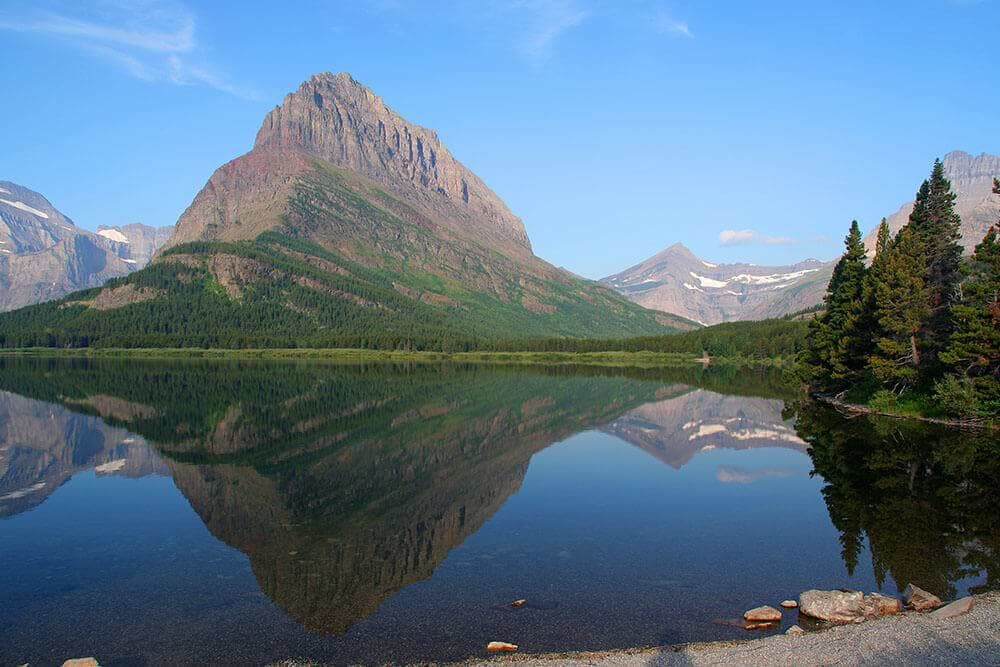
736, 237
151, 40
546, 21
665, 23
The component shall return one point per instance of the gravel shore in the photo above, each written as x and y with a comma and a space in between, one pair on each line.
909, 638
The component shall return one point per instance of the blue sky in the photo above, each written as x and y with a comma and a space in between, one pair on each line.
613, 128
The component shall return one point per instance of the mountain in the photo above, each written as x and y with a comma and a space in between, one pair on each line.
972, 181
344, 225
136, 243
43, 255
677, 281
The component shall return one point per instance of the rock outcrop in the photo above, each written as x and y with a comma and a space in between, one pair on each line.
972, 181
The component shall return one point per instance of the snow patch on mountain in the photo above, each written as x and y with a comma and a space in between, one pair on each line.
113, 235
709, 282
24, 207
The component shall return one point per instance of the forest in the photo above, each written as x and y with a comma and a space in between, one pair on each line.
916, 331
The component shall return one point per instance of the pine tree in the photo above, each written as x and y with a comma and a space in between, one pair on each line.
831, 356
935, 221
901, 308
974, 348
849, 358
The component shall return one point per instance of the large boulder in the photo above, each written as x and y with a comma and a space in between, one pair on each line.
833, 606
880, 605
918, 599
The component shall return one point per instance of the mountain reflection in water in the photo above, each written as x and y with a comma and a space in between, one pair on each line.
346, 484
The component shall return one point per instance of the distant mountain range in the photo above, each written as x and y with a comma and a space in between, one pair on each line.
676, 281
345, 223
44, 255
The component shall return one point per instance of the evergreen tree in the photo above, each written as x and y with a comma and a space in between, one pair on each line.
832, 356
974, 348
901, 308
935, 221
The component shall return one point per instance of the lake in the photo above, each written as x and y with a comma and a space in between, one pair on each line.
238, 512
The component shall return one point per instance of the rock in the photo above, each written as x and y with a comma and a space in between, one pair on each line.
795, 630
918, 599
499, 647
760, 626
956, 608
762, 614
880, 605
81, 662
833, 606
789, 604
518, 603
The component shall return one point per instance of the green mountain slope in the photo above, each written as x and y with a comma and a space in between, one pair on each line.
344, 226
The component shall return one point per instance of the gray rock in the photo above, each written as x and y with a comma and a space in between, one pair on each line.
956, 608
833, 606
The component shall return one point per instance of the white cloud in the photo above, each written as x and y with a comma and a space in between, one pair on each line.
546, 21
665, 23
733, 237
737, 236
151, 40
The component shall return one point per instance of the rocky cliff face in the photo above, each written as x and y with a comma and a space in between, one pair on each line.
677, 281
338, 119
972, 181
43, 255
400, 239
136, 243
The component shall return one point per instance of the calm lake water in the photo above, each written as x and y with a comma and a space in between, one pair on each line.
157, 513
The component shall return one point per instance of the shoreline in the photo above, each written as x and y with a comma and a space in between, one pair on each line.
612, 358
855, 409
906, 638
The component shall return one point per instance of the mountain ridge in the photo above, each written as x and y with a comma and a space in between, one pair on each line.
345, 225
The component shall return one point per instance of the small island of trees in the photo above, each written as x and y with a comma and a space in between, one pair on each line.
916, 331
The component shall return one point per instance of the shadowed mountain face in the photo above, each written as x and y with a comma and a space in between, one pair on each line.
44, 255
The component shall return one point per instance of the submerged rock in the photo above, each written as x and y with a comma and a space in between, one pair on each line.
920, 600
518, 603
764, 625
501, 647
956, 608
762, 614
833, 606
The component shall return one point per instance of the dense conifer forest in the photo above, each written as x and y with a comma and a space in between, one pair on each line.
917, 330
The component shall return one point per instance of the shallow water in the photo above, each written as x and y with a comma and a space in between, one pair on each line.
237, 513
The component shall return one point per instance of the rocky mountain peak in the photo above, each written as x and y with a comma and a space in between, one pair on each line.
336, 118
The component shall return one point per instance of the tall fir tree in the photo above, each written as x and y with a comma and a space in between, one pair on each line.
935, 221
831, 356
974, 348
901, 308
